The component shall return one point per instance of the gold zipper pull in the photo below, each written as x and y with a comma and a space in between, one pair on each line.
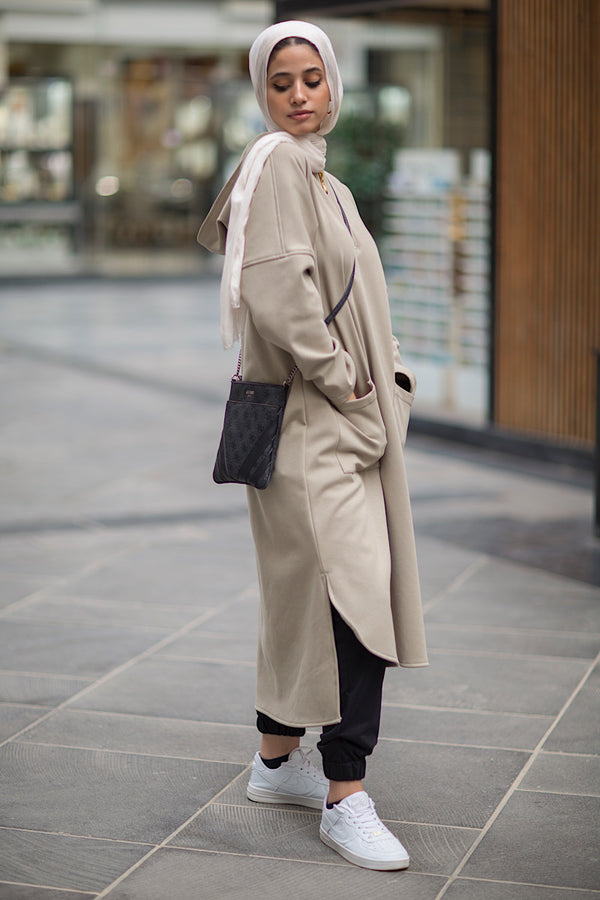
322, 180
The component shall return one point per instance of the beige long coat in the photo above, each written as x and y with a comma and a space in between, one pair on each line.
335, 523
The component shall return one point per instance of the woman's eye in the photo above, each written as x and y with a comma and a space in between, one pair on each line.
313, 84
280, 87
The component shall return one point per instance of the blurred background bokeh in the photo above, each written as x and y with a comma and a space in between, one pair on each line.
467, 137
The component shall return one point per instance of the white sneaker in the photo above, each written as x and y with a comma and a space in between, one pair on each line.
354, 829
295, 781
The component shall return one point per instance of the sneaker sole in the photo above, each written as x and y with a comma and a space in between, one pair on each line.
262, 795
382, 865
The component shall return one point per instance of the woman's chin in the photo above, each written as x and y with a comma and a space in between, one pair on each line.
301, 132
297, 129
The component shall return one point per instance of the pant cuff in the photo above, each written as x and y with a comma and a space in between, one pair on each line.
348, 771
266, 725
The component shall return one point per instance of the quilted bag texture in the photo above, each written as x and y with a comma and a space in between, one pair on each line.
251, 430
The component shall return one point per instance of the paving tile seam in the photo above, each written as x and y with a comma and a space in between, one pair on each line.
21, 704
92, 602
123, 667
88, 623
457, 582
488, 459
26, 673
79, 837
97, 368
233, 635
88, 524
65, 580
111, 750
41, 578
311, 862
173, 657
513, 630
535, 754
293, 859
303, 810
50, 887
82, 710
568, 754
548, 887
586, 676
146, 717
506, 557
500, 654
467, 710
525, 790
37, 594
193, 660
465, 745
170, 837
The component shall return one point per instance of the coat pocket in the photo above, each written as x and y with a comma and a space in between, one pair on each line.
402, 402
362, 437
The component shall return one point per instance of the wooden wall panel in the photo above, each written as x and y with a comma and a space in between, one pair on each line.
547, 309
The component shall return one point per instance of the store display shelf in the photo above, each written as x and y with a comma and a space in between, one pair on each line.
429, 278
419, 298
429, 193
411, 264
437, 259
474, 228
410, 211
427, 226
474, 246
407, 300
476, 320
427, 244
473, 282
432, 314
477, 301
472, 265
34, 148
32, 211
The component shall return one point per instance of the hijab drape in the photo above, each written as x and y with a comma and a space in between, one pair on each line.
260, 53
312, 145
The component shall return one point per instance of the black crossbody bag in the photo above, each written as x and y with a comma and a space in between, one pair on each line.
253, 418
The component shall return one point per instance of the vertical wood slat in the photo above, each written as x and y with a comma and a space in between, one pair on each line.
547, 317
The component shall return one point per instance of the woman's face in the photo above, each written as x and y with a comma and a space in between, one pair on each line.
297, 92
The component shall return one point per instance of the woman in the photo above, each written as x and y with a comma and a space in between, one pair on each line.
333, 530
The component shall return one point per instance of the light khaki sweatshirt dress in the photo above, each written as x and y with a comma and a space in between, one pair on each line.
334, 524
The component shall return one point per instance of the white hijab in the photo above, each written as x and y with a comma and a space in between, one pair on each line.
313, 145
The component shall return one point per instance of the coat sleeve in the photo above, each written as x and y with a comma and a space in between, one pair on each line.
279, 281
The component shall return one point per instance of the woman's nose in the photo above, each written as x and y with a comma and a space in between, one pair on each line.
298, 92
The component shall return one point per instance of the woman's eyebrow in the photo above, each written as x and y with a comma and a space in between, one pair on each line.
304, 72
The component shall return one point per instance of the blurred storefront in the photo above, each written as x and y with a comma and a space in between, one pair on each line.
120, 120
493, 256
432, 208
117, 121
469, 137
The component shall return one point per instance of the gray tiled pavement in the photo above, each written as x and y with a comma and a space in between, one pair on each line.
128, 621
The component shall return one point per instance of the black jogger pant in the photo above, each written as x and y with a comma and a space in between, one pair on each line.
345, 745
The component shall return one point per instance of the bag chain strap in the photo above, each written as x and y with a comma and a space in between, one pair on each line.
328, 319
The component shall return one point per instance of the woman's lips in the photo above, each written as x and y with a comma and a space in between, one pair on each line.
301, 115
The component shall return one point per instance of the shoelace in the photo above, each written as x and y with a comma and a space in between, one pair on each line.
306, 765
368, 822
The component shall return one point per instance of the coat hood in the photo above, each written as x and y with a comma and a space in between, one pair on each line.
213, 231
